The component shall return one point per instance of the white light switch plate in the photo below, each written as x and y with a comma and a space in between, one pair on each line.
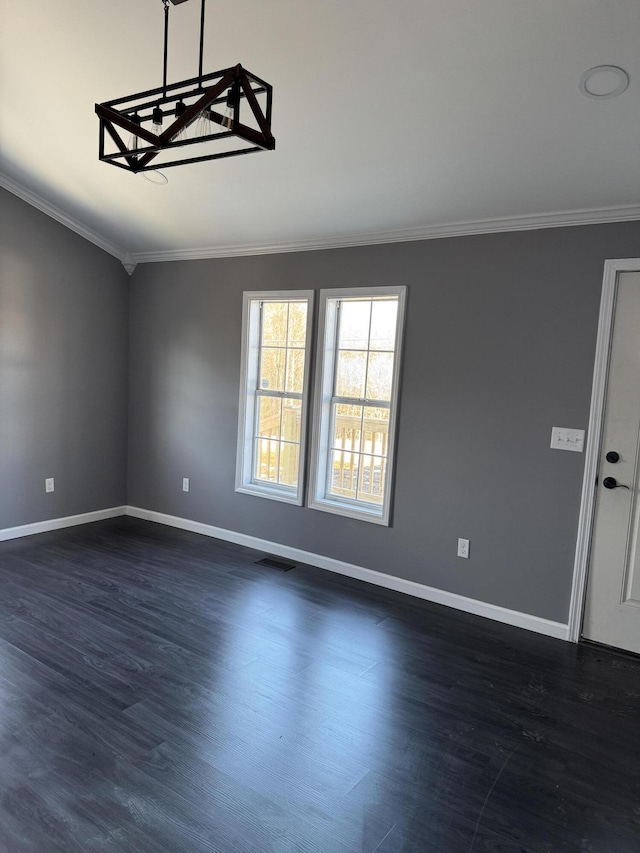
567, 439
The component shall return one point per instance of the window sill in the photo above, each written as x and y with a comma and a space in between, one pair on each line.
350, 511
269, 493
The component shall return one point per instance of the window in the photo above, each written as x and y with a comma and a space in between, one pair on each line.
356, 395
357, 376
273, 394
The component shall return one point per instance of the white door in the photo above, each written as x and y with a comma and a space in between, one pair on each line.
612, 612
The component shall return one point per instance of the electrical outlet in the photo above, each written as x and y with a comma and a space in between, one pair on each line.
185, 484
463, 548
49, 485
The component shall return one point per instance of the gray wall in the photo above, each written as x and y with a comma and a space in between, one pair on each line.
63, 369
500, 342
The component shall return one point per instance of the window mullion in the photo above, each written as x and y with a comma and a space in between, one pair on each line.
256, 408
260, 339
336, 350
366, 365
328, 474
286, 350
360, 478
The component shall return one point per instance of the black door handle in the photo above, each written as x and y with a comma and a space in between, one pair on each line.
612, 483
612, 456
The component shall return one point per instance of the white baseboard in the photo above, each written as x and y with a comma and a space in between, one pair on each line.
59, 523
428, 593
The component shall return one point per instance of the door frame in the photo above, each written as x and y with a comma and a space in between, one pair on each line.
594, 437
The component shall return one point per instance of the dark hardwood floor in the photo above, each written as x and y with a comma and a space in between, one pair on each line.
161, 692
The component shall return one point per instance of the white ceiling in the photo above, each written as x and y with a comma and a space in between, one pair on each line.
393, 120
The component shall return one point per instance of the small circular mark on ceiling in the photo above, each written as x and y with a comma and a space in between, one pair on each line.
604, 81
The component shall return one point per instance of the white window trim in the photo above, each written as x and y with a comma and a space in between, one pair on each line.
245, 482
323, 390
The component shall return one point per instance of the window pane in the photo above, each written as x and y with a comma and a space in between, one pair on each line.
344, 474
384, 317
357, 476
350, 375
268, 421
354, 324
295, 371
274, 323
272, 364
277, 448
297, 324
289, 456
375, 431
347, 427
291, 419
379, 376
267, 455
371, 481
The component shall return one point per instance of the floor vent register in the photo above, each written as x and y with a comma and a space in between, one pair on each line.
276, 563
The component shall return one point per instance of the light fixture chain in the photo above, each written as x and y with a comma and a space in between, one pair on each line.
201, 40
166, 47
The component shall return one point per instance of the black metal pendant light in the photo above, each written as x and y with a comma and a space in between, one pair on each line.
179, 123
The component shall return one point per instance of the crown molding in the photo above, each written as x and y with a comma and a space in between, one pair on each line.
129, 260
63, 218
129, 263
597, 216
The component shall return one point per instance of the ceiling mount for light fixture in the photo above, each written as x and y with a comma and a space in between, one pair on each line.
604, 81
177, 124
